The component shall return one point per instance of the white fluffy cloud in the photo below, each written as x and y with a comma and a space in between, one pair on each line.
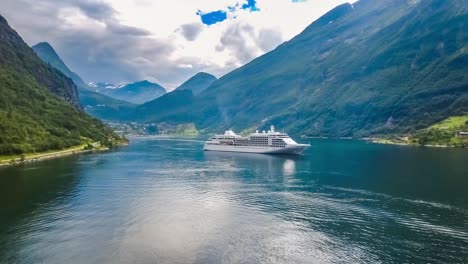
164, 41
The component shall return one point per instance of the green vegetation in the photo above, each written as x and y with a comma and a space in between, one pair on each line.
39, 108
444, 133
87, 145
5, 159
187, 130
453, 122
34, 120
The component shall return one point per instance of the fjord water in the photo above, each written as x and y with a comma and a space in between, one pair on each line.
166, 201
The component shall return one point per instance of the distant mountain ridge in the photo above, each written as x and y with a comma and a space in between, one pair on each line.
138, 92
374, 67
170, 107
39, 106
103, 86
198, 83
97, 104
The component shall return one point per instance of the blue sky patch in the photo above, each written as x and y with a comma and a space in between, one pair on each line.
212, 17
251, 5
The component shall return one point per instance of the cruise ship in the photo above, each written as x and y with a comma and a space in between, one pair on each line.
266, 142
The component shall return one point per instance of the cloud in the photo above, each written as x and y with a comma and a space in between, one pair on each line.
93, 42
125, 30
239, 39
121, 41
269, 39
95, 10
191, 31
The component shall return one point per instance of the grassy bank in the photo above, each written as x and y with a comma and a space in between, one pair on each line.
441, 134
38, 156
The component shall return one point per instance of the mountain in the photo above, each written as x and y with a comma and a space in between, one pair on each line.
39, 106
96, 104
374, 67
45, 51
198, 82
103, 87
103, 106
168, 107
137, 93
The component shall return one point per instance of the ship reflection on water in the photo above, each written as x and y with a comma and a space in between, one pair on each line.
263, 164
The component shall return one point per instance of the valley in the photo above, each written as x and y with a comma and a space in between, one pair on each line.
361, 70
240, 131
398, 83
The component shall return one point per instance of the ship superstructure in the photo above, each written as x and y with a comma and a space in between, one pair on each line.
268, 142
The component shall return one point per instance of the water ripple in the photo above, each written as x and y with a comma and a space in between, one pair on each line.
165, 201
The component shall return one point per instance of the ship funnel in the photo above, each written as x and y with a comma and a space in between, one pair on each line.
272, 129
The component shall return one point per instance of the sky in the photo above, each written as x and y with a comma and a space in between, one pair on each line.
163, 41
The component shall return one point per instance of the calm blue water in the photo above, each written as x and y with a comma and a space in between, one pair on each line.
167, 201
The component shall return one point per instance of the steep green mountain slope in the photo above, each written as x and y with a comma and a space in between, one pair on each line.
39, 107
198, 82
96, 104
167, 108
137, 92
373, 67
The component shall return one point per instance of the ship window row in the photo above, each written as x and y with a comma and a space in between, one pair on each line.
275, 142
247, 145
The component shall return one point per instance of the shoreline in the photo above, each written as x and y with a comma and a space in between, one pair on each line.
36, 157
373, 140
387, 142
390, 142
164, 136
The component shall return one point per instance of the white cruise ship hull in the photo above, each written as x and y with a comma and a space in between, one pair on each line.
296, 149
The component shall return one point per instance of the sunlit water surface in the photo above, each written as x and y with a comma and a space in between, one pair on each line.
167, 201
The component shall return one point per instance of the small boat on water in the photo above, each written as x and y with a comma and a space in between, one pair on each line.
265, 142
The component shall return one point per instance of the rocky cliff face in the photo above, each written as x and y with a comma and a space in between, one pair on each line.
16, 55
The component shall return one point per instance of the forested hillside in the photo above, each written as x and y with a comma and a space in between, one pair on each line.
39, 106
374, 67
